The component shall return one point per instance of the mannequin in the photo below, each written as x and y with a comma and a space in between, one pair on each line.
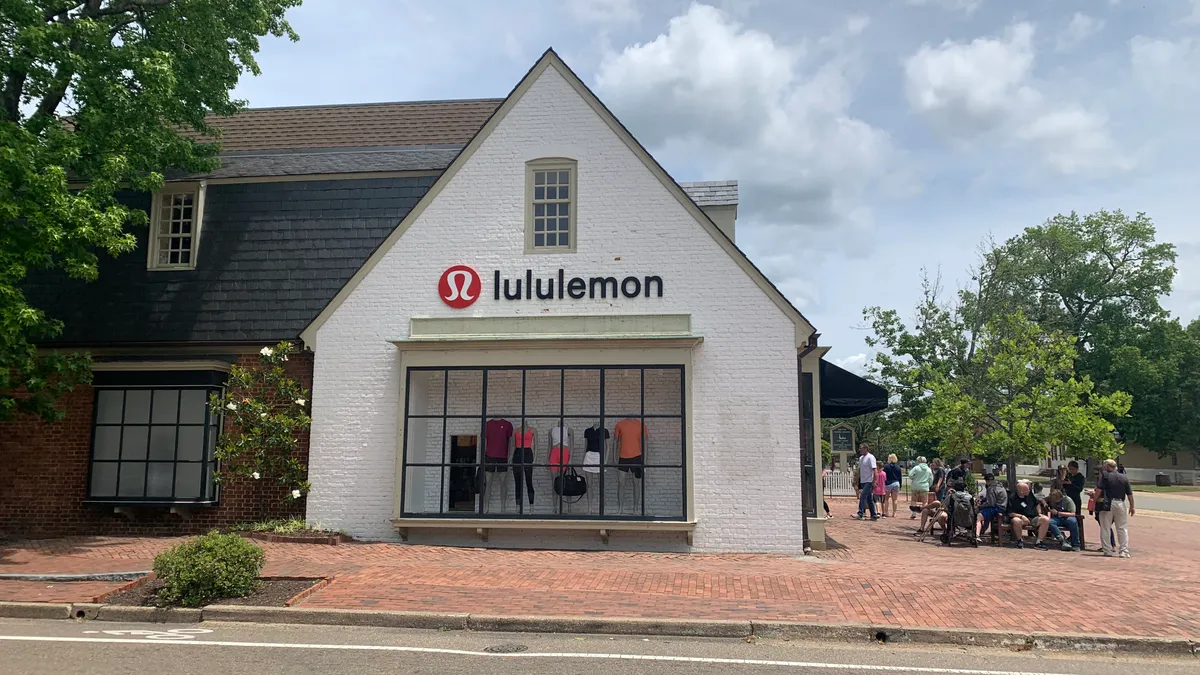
596, 439
498, 442
630, 439
523, 462
562, 437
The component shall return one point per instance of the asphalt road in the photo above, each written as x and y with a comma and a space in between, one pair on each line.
1167, 502
54, 647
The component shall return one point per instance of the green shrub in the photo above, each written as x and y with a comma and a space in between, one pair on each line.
208, 567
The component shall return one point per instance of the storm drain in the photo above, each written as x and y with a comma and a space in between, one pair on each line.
505, 649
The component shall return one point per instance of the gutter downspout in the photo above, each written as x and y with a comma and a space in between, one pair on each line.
808, 349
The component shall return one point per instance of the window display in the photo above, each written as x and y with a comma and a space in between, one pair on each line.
545, 442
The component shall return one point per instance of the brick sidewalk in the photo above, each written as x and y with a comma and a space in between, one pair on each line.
882, 576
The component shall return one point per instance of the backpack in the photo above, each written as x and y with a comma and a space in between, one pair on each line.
961, 514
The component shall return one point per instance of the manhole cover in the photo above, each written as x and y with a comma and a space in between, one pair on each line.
505, 649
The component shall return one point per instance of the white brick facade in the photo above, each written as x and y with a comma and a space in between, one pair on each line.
746, 478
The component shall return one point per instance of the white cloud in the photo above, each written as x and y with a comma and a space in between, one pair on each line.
1080, 28
711, 93
985, 90
1166, 66
964, 6
1194, 15
606, 11
855, 363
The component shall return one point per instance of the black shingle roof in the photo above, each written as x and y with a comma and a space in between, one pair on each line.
272, 255
263, 163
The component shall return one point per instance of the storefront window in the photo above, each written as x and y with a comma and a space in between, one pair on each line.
497, 442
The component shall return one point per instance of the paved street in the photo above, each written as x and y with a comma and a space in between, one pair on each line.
52, 647
878, 575
1170, 503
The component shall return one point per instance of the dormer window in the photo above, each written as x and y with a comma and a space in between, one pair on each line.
175, 218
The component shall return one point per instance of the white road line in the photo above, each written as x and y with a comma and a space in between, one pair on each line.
526, 655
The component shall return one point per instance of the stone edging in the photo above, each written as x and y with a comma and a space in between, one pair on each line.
327, 540
788, 630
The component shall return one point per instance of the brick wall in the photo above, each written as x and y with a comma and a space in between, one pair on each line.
745, 435
44, 470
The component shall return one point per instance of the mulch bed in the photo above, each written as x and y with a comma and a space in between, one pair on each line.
300, 537
270, 593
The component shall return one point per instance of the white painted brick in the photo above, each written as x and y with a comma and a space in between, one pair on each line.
746, 440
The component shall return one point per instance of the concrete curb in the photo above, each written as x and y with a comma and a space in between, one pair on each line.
63, 578
149, 614
35, 610
335, 617
786, 630
608, 626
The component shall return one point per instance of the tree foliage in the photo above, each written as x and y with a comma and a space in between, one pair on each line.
97, 93
1004, 387
266, 410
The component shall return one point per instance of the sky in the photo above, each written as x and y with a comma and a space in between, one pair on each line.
872, 139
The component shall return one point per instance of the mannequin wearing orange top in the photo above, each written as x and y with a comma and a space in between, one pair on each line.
629, 438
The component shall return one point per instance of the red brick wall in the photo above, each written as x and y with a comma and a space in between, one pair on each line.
44, 470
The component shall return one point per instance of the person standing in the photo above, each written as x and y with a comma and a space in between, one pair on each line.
1115, 491
920, 477
1073, 485
893, 473
866, 481
940, 480
879, 490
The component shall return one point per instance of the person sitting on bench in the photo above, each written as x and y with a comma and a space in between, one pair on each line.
993, 502
1062, 515
1024, 512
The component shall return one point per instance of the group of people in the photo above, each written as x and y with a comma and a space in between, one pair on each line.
936, 491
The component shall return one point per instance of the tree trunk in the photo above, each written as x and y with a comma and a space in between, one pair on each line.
1012, 472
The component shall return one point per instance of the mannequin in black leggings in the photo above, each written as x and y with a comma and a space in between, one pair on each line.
523, 461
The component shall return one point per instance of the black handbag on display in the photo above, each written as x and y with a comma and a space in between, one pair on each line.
570, 484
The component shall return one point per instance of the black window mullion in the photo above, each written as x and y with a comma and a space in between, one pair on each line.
484, 478
603, 444
645, 436
120, 446
442, 484
563, 440
683, 440
521, 502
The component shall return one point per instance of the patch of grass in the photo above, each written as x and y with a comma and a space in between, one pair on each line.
277, 526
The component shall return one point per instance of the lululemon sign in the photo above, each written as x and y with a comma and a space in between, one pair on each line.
459, 286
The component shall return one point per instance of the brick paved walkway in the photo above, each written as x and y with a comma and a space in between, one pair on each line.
881, 576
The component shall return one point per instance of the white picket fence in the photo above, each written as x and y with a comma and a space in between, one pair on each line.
839, 484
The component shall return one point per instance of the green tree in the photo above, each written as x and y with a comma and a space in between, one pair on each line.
265, 411
101, 94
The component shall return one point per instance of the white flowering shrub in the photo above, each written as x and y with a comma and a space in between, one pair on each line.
266, 411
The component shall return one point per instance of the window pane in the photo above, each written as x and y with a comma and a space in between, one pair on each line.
166, 406
551, 224
564, 192
424, 440
193, 403
164, 253
104, 479
185, 258
622, 393
562, 237
564, 177
664, 493
210, 486
162, 443
539, 193
539, 177
539, 240
466, 392
582, 392
664, 441
539, 224
552, 209
133, 442
551, 192
191, 444
563, 224
663, 392
543, 390
539, 209
108, 406
137, 406
159, 479
504, 392
426, 389
187, 480
108, 443
133, 479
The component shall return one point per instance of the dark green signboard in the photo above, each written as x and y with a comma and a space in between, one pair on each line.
842, 439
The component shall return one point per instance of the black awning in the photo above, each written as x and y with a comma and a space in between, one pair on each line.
844, 394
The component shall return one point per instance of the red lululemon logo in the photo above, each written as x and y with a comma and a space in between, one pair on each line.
459, 286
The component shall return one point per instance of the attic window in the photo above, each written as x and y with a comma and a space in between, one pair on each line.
175, 219
550, 206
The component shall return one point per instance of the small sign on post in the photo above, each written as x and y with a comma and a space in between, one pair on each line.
841, 438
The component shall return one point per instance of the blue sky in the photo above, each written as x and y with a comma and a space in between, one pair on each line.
872, 138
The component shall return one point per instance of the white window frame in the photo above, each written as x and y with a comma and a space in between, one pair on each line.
552, 164
154, 241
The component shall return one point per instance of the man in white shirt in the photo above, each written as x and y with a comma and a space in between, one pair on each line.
866, 481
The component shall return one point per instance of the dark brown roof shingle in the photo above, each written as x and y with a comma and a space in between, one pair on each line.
420, 123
